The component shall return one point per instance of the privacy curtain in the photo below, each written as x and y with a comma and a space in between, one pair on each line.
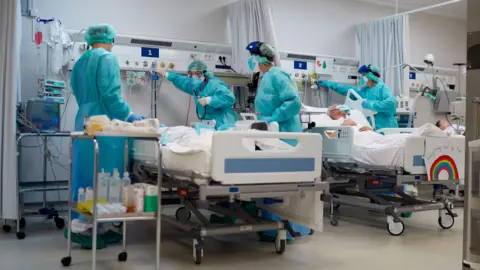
10, 38
250, 20
384, 43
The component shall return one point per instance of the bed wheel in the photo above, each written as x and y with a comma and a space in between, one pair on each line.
334, 221
446, 222
395, 228
281, 242
197, 252
183, 214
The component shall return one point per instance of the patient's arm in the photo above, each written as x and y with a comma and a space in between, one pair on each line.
365, 128
349, 122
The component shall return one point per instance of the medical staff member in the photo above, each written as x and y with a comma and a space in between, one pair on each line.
213, 98
277, 97
276, 100
378, 96
96, 84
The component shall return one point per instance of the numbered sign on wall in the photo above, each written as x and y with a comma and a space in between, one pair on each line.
150, 52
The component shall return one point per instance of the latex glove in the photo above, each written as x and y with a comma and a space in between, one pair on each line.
266, 119
322, 83
204, 101
365, 104
162, 72
132, 118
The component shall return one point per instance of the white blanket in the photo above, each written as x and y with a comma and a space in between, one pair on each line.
386, 150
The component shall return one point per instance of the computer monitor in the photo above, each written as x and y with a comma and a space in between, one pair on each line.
44, 115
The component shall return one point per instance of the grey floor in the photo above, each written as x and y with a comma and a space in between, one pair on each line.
359, 242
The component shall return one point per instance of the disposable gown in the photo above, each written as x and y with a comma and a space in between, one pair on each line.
96, 84
277, 100
221, 103
380, 99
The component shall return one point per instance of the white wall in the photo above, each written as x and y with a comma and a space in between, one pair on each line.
446, 38
328, 27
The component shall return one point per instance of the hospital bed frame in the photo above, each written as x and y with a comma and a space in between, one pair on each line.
197, 192
348, 183
350, 188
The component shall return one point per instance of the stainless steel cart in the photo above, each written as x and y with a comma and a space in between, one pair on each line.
94, 217
38, 186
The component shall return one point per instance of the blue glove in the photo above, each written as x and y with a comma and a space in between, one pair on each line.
323, 83
267, 119
365, 104
133, 118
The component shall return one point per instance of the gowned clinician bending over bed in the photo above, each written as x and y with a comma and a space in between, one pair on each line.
378, 96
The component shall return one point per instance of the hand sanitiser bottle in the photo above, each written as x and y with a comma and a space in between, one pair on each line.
115, 187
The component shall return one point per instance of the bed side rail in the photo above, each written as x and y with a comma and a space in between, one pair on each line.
337, 141
236, 161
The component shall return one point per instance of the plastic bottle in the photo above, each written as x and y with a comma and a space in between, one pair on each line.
115, 187
103, 179
81, 195
127, 190
88, 194
139, 199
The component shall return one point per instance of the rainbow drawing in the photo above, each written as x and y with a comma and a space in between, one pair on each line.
444, 163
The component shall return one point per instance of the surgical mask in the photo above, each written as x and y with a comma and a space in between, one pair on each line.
197, 80
252, 63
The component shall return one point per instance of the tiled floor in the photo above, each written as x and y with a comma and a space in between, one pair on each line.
357, 243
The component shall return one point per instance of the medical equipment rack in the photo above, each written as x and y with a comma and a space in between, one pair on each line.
392, 206
196, 197
94, 217
37, 186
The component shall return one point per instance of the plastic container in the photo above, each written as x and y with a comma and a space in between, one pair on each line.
151, 199
139, 194
89, 194
128, 198
115, 187
81, 195
103, 179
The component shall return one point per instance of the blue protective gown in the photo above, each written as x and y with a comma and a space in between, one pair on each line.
221, 103
96, 84
277, 100
380, 99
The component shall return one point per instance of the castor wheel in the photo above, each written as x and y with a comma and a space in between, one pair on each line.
197, 252
7, 228
122, 257
59, 222
66, 261
447, 222
395, 228
20, 235
183, 214
334, 221
22, 223
311, 232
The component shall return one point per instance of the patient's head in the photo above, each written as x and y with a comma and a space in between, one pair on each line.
442, 124
337, 111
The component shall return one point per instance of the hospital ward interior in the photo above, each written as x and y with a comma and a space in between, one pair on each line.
240, 134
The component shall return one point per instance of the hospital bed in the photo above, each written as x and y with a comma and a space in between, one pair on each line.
375, 178
232, 173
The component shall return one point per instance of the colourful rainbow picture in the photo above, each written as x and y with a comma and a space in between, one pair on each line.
444, 163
